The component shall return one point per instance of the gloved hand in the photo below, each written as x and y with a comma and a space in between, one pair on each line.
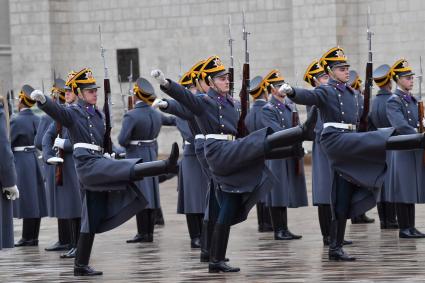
11, 192
38, 95
159, 76
423, 121
109, 156
59, 143
286, 89
54, 160
160, 103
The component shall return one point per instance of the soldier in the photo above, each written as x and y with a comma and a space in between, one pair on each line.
357, 159
110, 195
193, 185
139, 131
378, 119
9, 190
237, 166
64, 235
291, 191
405, 189
31, 206
68, 200
316, 76
253, 122
356, 83
175, 108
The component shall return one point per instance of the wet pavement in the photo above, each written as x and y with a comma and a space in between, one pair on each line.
382, 256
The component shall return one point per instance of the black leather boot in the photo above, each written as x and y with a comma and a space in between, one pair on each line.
194, 230
406, 142
362, 219
267, 222
156, 168
260, 217
147, 225
296, 151
64, 237
82, 258
412, 225
294, 135
29, 233
391, 216
205, 244
159, 217
337, 232
403, 215
219, 242
74, 226
324, 222
140, 221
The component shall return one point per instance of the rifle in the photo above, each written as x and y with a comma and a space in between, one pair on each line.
231, 68
124, 103
367, 93
244, 93
130, 91
421, 104
107, 142
296, 122
60, 153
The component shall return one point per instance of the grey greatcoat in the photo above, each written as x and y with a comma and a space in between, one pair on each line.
290, 190
7, 179
357, 157
237, 166
32, 200
193, 183
195, 189
110, 197
254, 122
48, 170
378, 119
143, 124
407, 184
67, 198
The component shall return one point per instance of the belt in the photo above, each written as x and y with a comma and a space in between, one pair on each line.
88, 146
23, 148
200, 136
140, 142
221, 137
187, 143
344, 126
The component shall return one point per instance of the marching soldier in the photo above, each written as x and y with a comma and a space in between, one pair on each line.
378, 119
357, 159
253, 122
31, 206
356, 83
68, 200
316, 76
174, 107
405, 189
193, 185
9, 191
110, 195
139, 131
238, 166
64, 235
290, 190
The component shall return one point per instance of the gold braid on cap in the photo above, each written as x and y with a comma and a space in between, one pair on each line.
60, 92
357, 83
26, 100
262, 87
399, 67
383, 80
145, 97
79, 79
311, 73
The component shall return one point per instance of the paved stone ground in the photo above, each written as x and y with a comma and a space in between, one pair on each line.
382, 256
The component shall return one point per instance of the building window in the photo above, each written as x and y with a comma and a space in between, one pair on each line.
125, 59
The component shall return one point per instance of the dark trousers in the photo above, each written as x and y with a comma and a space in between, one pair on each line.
230, 206
405, 215
208, 224
325, 218
84, 247
194, 224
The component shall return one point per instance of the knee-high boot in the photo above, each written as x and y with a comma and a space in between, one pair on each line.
82, 258
219, 241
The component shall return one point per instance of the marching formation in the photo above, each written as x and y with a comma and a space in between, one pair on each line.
365, 153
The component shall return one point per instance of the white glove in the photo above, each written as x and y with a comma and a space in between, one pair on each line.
38, 95
286, 89
160, 103
59, 143
12, 192
54, 160
109, 156
159, 76
423, 122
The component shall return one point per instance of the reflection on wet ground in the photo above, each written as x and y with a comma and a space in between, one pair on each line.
382, 256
